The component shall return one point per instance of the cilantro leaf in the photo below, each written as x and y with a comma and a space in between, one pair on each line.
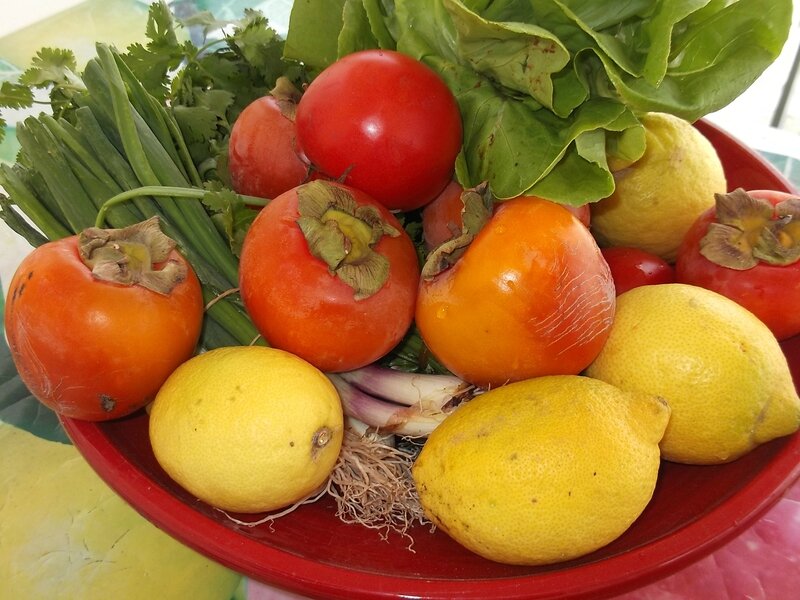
207, 21
163, 53
15, 95
258, 44
50, 66
199, 126
230, 214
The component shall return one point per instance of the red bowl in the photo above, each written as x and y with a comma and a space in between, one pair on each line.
694, 510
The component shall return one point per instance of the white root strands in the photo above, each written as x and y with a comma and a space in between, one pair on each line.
312, 497
372, 486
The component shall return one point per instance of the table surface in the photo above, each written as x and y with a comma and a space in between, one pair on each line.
739, 569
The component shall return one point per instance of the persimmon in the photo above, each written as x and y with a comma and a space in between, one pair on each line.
329, 274
96, 322
531, 295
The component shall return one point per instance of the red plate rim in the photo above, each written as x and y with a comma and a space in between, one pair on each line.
276, 567
609, 576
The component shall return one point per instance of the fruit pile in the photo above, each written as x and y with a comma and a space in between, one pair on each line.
545, 353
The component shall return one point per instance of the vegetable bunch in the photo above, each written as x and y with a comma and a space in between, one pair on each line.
549, 90
130, 128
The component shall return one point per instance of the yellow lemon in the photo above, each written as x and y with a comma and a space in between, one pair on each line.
542, 470
658, 197
247, 429
720, 369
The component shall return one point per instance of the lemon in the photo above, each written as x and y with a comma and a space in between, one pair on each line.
247, 429
658, 197
720, 369
542, 470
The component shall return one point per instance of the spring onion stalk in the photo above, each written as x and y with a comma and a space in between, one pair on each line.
160, 190
118, 168
67, 191
28, 201
387, 417
428, 392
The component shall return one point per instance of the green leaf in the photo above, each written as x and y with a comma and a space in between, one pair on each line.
19, 408
50, 66
205, 20
163, 52
313, 35
259, 45
15, 95
716, 54
356, 34
198, 127
231, 215
519, 56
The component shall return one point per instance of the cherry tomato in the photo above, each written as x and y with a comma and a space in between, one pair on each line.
441, 218
264, 158
305, 303
95, 350
632, 267
770, 291
531, 296
384, 122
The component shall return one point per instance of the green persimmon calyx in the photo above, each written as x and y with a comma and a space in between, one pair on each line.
478, 203
342, 234
134, 255
749, 230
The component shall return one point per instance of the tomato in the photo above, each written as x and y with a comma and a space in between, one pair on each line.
441, 218
531, 296
384, 123
264, 158
632, 267
91, 349
303, 302
770, 291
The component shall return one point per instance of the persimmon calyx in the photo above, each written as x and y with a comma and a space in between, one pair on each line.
133, 255
287, 96
477, 210
342, 234
748, 231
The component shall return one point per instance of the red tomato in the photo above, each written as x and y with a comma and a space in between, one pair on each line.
441, 218
531, 296
301, 305
90, 349
264, 158
632, 267
771, 292
384, 122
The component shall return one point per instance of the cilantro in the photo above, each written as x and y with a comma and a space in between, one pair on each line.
229, 213
163, 53
50, 66
13, 95
52, 69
